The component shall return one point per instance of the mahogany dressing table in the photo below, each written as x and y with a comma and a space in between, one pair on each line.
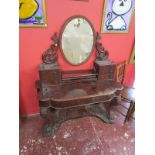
65, 95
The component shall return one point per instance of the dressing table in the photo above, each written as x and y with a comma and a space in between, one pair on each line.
70, 94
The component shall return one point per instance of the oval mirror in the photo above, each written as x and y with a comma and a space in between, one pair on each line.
77, 40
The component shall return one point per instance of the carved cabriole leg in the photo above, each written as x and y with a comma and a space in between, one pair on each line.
108, 108
44, 108
51, 116
54, 119
116, 101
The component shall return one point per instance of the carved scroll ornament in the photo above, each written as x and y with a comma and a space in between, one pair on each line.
102, 54
50, 55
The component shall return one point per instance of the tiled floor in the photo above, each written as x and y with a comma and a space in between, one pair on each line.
83, 136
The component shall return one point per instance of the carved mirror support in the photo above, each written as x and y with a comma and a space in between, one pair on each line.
50, 55
101, 53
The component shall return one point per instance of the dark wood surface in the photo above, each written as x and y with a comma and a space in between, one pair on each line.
79, 93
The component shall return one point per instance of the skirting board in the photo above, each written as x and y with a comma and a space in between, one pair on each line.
30, 115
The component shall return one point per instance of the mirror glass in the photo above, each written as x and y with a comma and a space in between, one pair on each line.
77, 40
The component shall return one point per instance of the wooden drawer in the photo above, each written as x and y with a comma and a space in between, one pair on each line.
106, 76
49, 74
104, 68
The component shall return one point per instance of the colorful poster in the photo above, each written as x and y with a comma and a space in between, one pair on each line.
32, 13
117, 16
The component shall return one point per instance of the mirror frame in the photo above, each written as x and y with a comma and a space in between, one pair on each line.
61, 33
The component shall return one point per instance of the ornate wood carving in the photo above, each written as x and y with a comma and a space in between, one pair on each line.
58, 116
50, 55
62, 97
102, 54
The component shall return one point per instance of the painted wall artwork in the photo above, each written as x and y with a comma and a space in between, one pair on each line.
117, 16
32, 13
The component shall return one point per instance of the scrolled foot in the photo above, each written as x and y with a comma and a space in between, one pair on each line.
48, 130
107, 118
110, 118
101, 113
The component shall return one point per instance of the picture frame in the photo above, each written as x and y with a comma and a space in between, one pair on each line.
117, 16
32, 13
132, 56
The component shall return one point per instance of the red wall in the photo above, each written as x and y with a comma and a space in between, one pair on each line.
33, 41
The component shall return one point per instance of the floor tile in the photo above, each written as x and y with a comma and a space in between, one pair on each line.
83, 136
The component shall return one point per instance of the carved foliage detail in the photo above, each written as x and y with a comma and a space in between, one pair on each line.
102, 54
50, 55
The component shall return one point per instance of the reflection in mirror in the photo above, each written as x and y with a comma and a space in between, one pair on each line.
77, 40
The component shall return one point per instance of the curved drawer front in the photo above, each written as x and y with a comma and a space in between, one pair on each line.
82, 101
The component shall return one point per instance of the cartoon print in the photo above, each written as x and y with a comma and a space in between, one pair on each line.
119, 8
27, 8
